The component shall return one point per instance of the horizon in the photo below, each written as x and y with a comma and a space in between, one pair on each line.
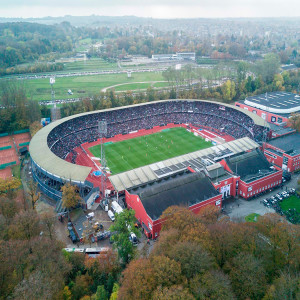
158, 9
154, 18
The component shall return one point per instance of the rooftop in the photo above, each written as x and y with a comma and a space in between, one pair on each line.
275, 102
217, 173
250, 166
185, 191
198, 161
290, 144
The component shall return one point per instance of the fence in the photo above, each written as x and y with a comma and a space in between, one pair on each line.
5, 148
21, 131
24, 144
3, 166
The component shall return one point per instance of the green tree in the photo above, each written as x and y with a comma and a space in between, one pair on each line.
268, 67
101, 293
123, 226
115, 291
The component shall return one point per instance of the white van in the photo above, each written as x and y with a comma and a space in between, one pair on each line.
111, 215
116, 208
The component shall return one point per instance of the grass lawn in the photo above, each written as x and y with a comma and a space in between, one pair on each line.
291, 202
129, 154
16, 171
82, 86
252, 217
93, 64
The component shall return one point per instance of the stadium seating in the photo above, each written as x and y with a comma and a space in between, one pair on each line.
72, 133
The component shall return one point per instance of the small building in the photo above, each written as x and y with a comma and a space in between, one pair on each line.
284, 152
256, 174
274, 107
223, 181
192, 190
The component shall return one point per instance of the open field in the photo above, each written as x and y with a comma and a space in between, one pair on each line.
83, 86
291, 202
93, 64
144, 150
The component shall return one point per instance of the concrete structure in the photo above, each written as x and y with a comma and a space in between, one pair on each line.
284, 152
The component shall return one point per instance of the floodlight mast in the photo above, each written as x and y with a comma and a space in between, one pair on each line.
52, 81
102, 130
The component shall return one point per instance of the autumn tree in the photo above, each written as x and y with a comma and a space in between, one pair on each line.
138, 280
228, 90
294, 120
248, 276
9, 185
70, 196
211, 285
25, 226
48, 222
35, 127
287, 286
33, 194
174, 292
192, 258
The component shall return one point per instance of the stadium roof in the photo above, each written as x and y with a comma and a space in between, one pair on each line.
250, 166
48, 161
290, 144
188, 191
144, 175
275, 102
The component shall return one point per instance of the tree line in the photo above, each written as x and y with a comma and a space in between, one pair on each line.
207, 257
16, 110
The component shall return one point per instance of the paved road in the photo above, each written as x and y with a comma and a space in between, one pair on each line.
240, 208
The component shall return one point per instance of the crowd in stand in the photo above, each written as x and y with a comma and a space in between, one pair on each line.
72, 133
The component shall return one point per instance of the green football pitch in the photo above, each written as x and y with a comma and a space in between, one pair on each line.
133, 153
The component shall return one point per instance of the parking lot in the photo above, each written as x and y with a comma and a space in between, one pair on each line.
238, 209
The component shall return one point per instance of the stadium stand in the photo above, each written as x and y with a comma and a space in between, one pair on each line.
55, 152
70, 134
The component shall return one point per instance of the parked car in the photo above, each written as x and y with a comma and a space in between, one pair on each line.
133, 239
111, 215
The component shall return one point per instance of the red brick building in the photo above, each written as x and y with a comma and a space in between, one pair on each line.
192, 190
274, 107
284, 152
256, 174
223, 181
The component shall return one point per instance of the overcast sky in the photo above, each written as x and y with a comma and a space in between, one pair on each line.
151, 8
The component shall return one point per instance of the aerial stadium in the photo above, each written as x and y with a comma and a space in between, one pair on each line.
143, 144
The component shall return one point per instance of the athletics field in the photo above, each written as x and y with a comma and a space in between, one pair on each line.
137, 152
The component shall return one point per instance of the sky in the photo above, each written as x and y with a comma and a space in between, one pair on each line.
166, 9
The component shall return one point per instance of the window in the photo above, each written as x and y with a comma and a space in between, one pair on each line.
254, 111
273, 119
279, 120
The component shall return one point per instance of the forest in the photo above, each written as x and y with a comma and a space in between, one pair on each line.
202, 256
